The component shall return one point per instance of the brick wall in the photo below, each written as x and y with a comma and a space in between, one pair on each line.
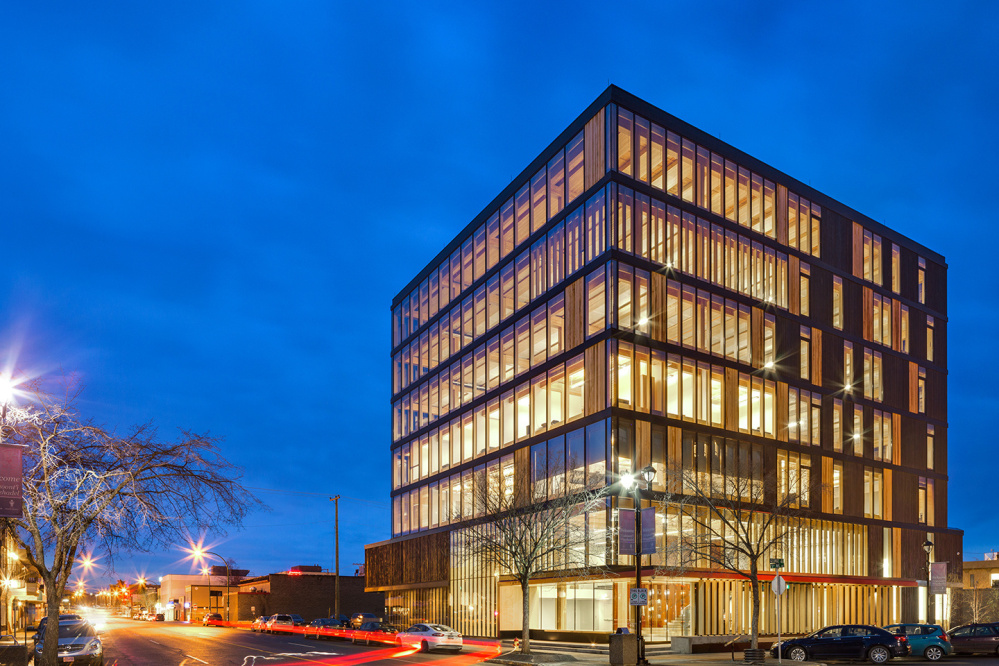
309, 595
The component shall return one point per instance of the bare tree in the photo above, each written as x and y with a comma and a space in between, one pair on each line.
524, 531
88, 487
974, 604
736, 521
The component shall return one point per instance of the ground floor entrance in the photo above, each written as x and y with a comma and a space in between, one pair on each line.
591, 609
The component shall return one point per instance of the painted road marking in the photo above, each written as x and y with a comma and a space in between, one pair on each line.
196, 659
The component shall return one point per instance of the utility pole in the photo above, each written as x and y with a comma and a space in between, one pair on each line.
336, 555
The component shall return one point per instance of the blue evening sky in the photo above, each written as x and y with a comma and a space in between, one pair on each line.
207, 207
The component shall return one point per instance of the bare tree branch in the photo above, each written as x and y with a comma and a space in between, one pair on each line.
86, 486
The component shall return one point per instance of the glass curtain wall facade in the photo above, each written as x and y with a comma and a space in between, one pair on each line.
645, 294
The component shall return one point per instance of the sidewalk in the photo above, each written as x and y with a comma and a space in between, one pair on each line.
580, 658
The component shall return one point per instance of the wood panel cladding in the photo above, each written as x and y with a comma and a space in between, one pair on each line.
522, 473
420, 560
594, 158
575, 313
595, 370
816, 360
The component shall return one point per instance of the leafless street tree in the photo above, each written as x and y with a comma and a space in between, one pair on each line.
975, 604
734, 523
525, 531
88, 487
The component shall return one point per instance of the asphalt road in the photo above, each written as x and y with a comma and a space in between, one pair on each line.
134, 643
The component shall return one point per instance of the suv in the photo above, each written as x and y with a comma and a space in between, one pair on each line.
971, 638
357, 619
928, 640
284, 622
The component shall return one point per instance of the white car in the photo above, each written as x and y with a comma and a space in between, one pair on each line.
428, 637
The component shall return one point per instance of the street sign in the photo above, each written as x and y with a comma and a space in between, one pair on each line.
639, 596
778, 585
776, 562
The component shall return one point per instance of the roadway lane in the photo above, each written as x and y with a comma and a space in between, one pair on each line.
134, 643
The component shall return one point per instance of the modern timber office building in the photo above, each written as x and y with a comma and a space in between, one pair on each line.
644, 293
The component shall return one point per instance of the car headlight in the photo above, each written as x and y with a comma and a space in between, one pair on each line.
94, 647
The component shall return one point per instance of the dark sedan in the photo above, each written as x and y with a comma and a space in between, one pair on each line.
376, 632
325, 627
972, 638
851, 641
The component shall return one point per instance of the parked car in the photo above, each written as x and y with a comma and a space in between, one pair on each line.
851, 641
429, 637
928, 640
260, 624
972, 638
375, 632
357, 619
78, 643
325, 627
285, 622
212, 620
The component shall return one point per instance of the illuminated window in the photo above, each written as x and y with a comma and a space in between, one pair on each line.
903, 333
848, 365
803, 292
896, 270
929, 338
929, 447
805, 352
596, 302
837, 303
837, 424
837, 487
858, 430
921, 281
769, 341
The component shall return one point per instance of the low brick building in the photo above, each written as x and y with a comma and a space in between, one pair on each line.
307, 593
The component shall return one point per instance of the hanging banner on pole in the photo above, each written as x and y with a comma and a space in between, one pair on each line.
626, 531
648, 530
938, 578
11, 473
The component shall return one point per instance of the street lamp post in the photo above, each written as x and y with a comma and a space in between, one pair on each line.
336, 556
198, 553
648, 473
928, 547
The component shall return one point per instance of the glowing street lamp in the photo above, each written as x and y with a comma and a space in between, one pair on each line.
198, 553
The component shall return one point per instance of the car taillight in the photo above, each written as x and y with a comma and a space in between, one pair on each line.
437, 635
901, 639
943, 637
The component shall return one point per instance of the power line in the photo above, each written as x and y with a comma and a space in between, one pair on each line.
298, 492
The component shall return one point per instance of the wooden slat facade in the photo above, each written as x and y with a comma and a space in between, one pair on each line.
594, 160
816, 360
422, 560
575, 313
595, 361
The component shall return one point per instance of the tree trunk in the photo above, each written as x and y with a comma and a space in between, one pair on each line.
50, 649
525, 629
754, 581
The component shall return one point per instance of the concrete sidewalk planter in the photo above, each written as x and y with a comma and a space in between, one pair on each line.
623, 649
